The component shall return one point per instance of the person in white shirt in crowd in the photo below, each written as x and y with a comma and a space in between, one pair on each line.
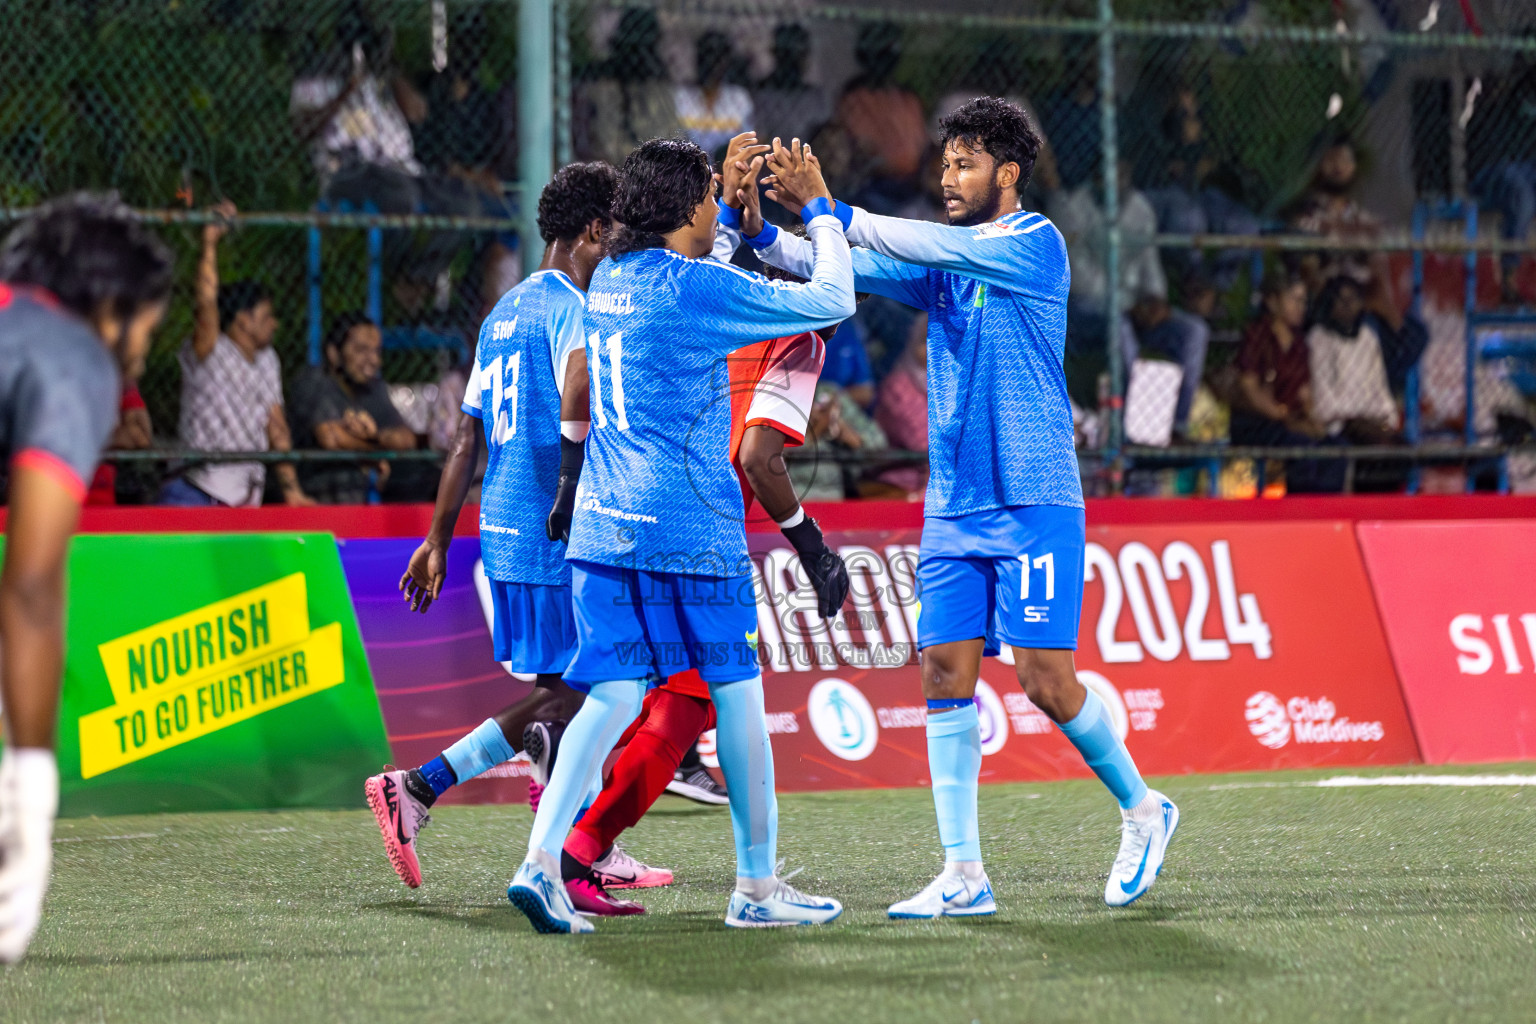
712, 112
231, 389
1148, 321
1350, 394
357, 115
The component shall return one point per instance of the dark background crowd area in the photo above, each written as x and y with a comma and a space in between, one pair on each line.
384, 106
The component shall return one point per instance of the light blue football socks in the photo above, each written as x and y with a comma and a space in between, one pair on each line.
746, 759
604, 715
1094, 736
483, 749
954, 763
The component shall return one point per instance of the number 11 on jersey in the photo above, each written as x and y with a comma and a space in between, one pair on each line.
615, 346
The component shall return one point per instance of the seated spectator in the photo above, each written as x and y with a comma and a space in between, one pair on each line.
345, 406
1328, 208
1501, 159
1274, 386
627, 98
1149, 321
903, 409
231, 389
847, 365
784, 103
133, 432
1350, 395
836, 424
883, 123
1183, 188
710, 111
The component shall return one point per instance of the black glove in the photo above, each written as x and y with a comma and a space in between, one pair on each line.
825, 567
558, 526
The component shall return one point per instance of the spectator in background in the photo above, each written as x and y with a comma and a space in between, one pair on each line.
469, 134
1273, 402
357, 116
628, 98
345, 406
1072, 119
231, 389
883, 123
847, 365
836, 424
1183, 189
1274, 385
903, 408
785, 103
1150, 321
710, 111
1501, 158
134, 432
1350, 395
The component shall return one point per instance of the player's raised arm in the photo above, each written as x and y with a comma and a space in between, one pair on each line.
743, 307
872, 272
737, 177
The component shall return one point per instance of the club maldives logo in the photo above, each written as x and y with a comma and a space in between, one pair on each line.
843, 719
1305, 720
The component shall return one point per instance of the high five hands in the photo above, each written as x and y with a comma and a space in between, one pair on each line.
796, 176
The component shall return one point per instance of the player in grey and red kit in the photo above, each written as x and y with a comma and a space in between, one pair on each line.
81, 287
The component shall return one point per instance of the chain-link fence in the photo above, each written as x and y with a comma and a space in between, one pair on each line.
1312, 259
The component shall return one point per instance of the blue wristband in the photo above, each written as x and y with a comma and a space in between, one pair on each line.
844, 213
764, 238
949, 703
815, 208
730, 216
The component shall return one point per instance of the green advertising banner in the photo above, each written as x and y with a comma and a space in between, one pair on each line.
213, 672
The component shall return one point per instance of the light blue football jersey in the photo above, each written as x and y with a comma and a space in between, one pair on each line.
999, 423
657, 491
515, 393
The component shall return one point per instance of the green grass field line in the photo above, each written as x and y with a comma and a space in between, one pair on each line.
1279, 903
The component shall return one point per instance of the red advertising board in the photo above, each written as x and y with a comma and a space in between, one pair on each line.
1458, 600
1216, 648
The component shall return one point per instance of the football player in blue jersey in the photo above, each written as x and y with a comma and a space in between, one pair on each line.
512, 407
82, 286
659, 565
1001, 558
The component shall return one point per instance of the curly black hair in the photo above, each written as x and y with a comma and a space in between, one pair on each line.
88, 250
576, 196
660, 185
997, 127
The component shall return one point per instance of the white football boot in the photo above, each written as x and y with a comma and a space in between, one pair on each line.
29, 800
785, 905
1142, 846
949, 895
540, 893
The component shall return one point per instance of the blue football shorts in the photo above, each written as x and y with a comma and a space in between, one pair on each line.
533, 626
1009, 575
637, 624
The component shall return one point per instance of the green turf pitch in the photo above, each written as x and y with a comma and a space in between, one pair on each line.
1280, 902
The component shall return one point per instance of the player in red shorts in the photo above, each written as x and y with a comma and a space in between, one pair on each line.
772, 387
